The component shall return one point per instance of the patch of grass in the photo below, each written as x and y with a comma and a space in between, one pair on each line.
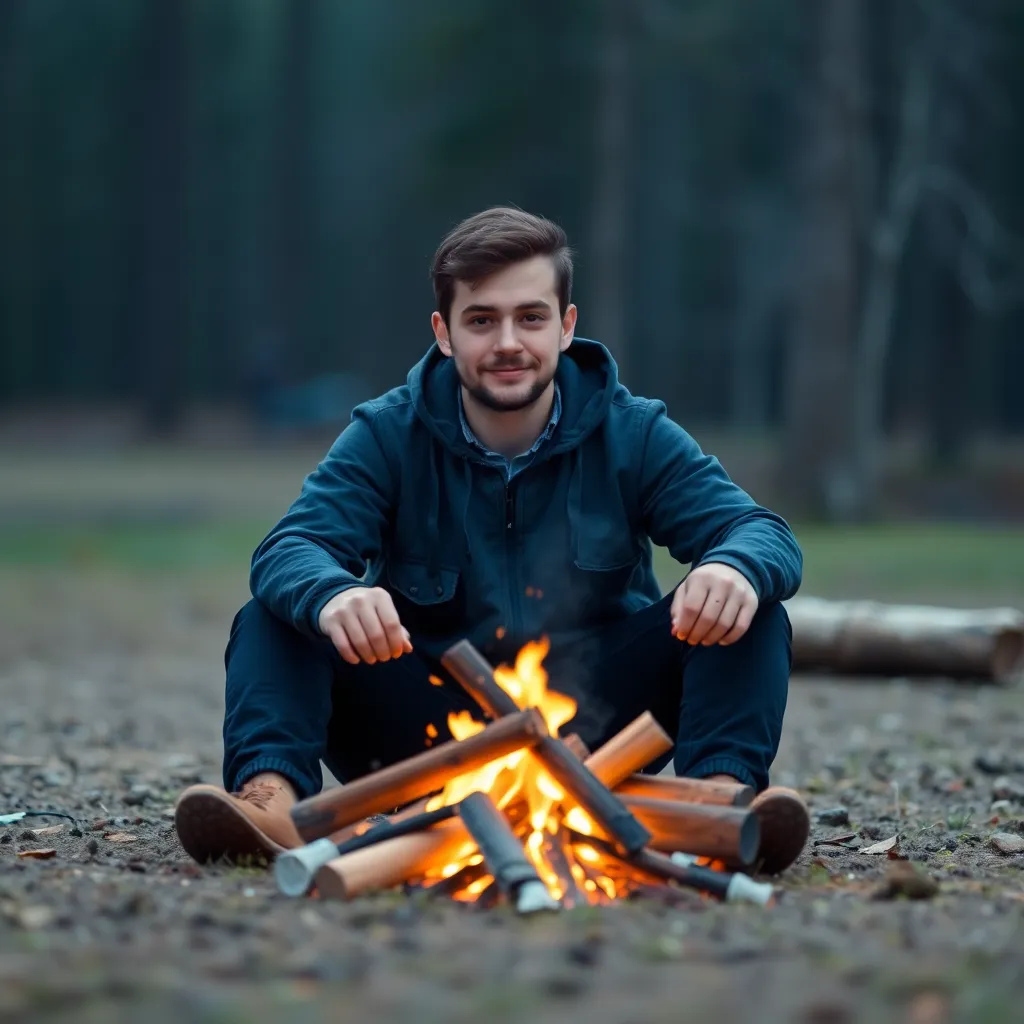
940, 563
923, 562
133, 546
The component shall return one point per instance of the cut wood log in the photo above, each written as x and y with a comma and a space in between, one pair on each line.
320, 815
731, 834
690, 791
391, 862
871, 638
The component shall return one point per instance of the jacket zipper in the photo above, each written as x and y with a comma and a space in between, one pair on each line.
510, 562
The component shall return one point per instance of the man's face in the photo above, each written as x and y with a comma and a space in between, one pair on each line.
505, 334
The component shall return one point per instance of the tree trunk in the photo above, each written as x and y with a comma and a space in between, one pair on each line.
888, 241
163, 208
819, 363
607, 254
19, 251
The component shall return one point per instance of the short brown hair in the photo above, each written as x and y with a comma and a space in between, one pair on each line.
492, 240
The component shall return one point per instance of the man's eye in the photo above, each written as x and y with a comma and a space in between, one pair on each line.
480, 321
533, 318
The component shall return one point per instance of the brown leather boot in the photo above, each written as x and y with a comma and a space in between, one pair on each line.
251, 826
785, 826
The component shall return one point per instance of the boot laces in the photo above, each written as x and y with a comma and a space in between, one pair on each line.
259, 794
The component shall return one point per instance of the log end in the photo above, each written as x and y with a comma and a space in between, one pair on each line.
330, 882
1008, 656
743, 797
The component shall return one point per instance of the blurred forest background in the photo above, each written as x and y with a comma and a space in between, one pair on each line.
796, 222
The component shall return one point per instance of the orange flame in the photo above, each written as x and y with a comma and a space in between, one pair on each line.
519, 779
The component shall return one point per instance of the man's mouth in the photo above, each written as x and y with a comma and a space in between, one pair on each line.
508, 372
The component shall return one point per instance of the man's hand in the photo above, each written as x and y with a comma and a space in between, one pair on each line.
363, 625
713, 605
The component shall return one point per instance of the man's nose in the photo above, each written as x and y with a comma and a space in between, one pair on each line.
507, 336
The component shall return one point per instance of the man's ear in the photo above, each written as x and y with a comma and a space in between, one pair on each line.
441, 333
568, 328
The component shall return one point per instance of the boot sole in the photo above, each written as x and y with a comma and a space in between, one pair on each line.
785, 829
212, 830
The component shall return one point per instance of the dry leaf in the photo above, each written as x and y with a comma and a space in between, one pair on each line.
20, 761
119, 837
38, 854
50, 830
842, 840
884, 846
35, 917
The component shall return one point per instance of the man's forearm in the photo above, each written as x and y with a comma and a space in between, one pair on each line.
295, 577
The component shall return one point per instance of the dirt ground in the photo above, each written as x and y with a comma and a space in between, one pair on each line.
111, 702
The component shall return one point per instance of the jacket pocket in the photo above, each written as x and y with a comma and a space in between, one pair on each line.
428, 603
415, 582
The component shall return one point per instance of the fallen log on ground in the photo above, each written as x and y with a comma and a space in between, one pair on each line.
872, 638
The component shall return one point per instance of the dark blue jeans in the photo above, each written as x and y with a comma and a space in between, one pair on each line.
291, 702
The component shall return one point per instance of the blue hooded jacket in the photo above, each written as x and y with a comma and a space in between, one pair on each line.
403, 501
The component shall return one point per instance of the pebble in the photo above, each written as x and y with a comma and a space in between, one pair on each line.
1003, 808
92, 846
1006, 842
834, 816
1005, 788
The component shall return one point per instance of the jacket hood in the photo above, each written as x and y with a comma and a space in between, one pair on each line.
587, 378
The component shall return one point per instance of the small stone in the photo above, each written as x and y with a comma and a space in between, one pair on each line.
5, 838
834, 816
92, 846
1007, 842
1002, 808
27, 836
903, 879
76, 832
993, 764
34, 918
1005, 788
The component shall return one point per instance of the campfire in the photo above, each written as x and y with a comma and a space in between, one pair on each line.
509, 810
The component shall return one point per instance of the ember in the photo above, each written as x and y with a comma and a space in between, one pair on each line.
516, 812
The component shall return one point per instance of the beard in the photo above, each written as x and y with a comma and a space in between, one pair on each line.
514, 402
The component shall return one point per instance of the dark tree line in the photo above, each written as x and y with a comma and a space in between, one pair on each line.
797, 221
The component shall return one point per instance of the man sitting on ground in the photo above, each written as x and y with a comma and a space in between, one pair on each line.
511, 489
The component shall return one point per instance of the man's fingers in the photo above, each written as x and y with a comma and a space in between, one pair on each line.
743, 620
369, 619
357, 637
694, 592
406, 641
709, 615
395, 635
342, 645
726, 620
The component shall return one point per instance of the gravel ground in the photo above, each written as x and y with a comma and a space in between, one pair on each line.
111, 690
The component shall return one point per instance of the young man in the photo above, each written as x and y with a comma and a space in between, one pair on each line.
510, 490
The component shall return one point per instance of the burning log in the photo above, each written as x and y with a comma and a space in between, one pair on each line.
629, 750
503, 854
690, 791
557, 855
473, 672
294, 870
869, 638
732, 834
401, 783
731, 887
392, 862
576, 746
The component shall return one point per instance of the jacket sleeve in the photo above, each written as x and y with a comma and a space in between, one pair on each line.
692, 507
332, 531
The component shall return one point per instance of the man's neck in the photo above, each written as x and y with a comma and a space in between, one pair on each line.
508, 433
